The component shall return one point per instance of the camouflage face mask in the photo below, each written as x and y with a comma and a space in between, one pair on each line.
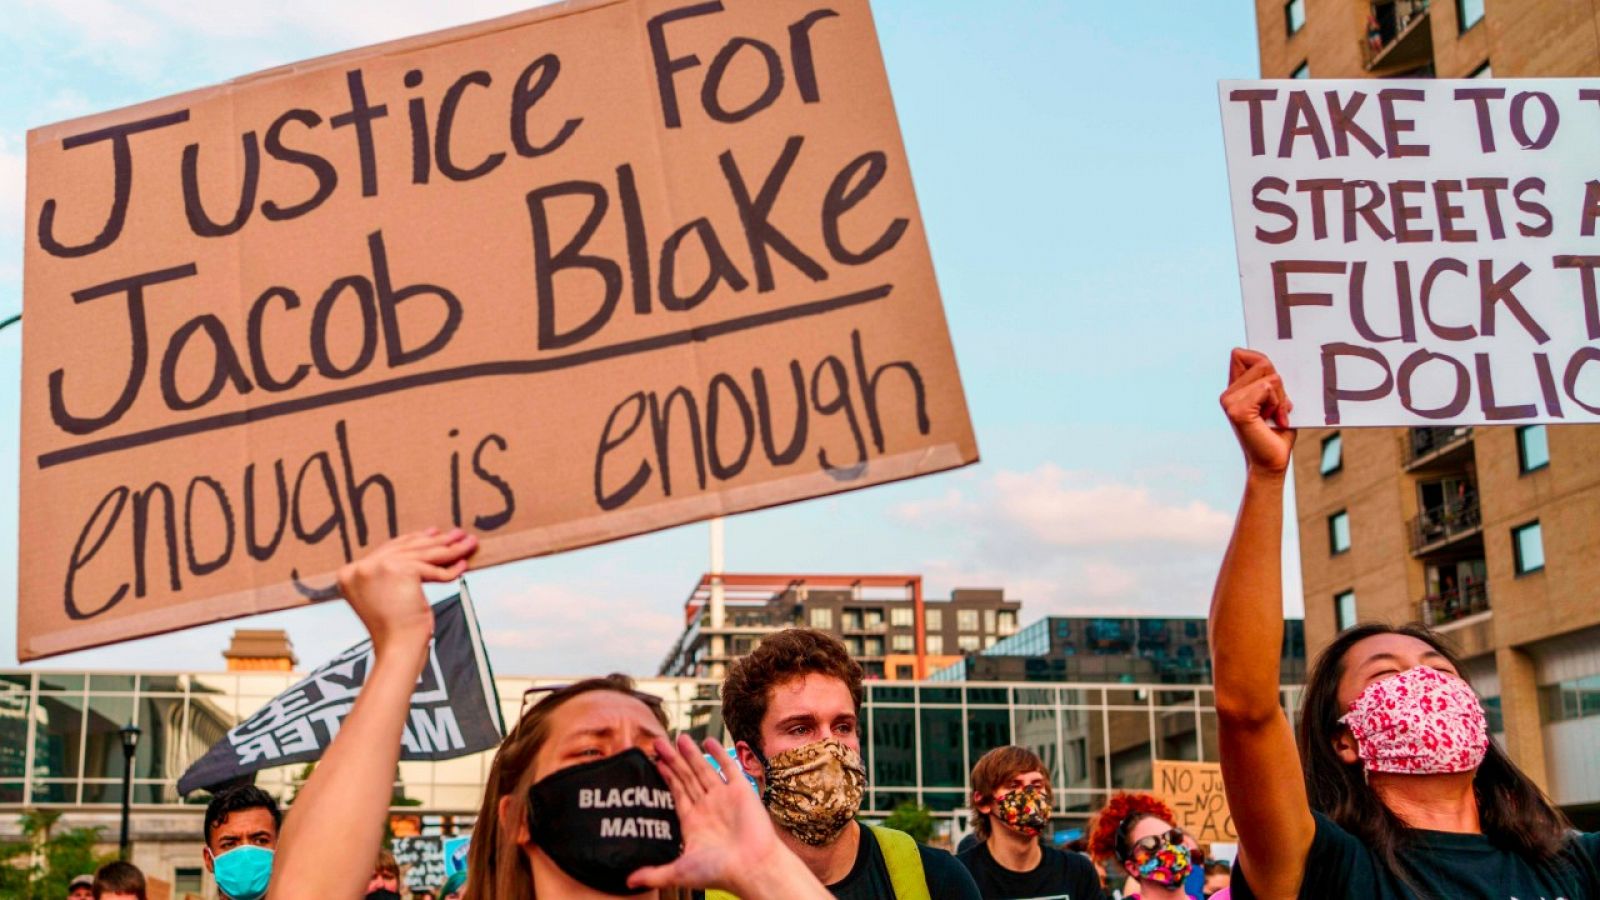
813, 791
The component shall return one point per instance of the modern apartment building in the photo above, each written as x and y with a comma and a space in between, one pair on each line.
1491, 535
1110, 649
875, 616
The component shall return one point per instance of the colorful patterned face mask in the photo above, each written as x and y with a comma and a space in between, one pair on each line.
814, 790
1420, 722
1025, 809
1162, 859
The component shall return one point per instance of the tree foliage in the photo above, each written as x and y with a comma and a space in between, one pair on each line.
47, 858
914, 820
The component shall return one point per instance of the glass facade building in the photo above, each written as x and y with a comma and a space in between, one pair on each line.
1103, 649
59, 744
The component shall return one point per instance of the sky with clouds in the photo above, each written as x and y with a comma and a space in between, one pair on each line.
1068, 160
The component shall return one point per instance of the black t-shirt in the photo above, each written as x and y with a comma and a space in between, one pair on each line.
869, 877
1058, 876
1443, 866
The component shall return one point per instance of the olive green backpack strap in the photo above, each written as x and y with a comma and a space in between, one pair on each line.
900, 856
904, 861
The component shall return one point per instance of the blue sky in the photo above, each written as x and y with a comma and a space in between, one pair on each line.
1068, 159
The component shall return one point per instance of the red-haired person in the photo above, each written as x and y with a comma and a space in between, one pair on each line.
1011, 809
1135, 832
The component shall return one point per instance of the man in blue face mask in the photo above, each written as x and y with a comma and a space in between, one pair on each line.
241, 834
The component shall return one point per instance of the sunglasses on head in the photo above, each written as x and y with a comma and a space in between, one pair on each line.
547, 690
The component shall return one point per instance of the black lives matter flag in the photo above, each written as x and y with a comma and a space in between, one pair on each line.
454, 710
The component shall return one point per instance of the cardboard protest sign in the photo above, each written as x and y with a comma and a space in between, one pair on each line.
562, 277
454, 709
1194, 791
1421, 252
422, 860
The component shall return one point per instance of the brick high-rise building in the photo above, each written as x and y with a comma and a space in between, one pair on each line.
1491, 535
874, 615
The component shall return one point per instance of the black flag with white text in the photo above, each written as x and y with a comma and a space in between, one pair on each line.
454, 710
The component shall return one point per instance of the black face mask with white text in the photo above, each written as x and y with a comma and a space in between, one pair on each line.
602, 821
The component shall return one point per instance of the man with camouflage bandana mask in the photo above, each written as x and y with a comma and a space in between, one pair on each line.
792, 708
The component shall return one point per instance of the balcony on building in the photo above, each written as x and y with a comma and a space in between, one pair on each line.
1448, 524
1454, 604
1434, 448
1399, 40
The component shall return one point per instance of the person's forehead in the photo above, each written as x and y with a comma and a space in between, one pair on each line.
600, 710
1149, 825
246, 821
814, 694
1400, 648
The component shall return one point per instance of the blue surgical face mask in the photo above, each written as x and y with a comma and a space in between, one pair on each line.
242, 873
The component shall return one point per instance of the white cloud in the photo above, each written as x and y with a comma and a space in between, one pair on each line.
13, 185
1071, 542
562, 629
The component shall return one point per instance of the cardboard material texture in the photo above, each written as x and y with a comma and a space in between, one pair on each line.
575, 274
1194, 791
1421, 253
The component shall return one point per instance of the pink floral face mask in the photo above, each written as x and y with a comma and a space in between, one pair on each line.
1420, 722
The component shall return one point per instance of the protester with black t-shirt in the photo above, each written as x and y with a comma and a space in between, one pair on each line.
1011, 808
1403, 793
587, 798
792, 706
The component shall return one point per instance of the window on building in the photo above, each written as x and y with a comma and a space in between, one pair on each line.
905, 673
935, 644
1301, 71
1008, 621
852, 645
1469, 13
966, 620
822, 618
1527, 542
988, 641
902, 617
1578, 699
1533, 448
850, 619
873, 618
903, 643
969, 642
1332, 454
873, 647
1344, 609
935, 619
186, 881
989, 623
1294, 14
1339, 532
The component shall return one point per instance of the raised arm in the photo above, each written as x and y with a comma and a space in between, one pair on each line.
1260, 766
340, 813
728, 838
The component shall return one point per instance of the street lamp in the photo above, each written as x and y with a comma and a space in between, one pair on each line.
130, 742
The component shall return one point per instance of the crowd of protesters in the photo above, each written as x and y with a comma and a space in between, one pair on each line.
1393, 789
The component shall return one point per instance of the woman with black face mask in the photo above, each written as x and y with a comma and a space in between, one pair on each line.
587, 798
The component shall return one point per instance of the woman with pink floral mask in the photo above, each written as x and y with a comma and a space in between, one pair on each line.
1403, 793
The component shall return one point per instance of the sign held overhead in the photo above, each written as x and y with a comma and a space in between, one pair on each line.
1421, 252
562, 277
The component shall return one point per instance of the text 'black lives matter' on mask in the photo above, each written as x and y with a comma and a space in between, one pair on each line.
814, 790
602, 821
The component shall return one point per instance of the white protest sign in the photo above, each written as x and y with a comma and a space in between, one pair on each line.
1421, 252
